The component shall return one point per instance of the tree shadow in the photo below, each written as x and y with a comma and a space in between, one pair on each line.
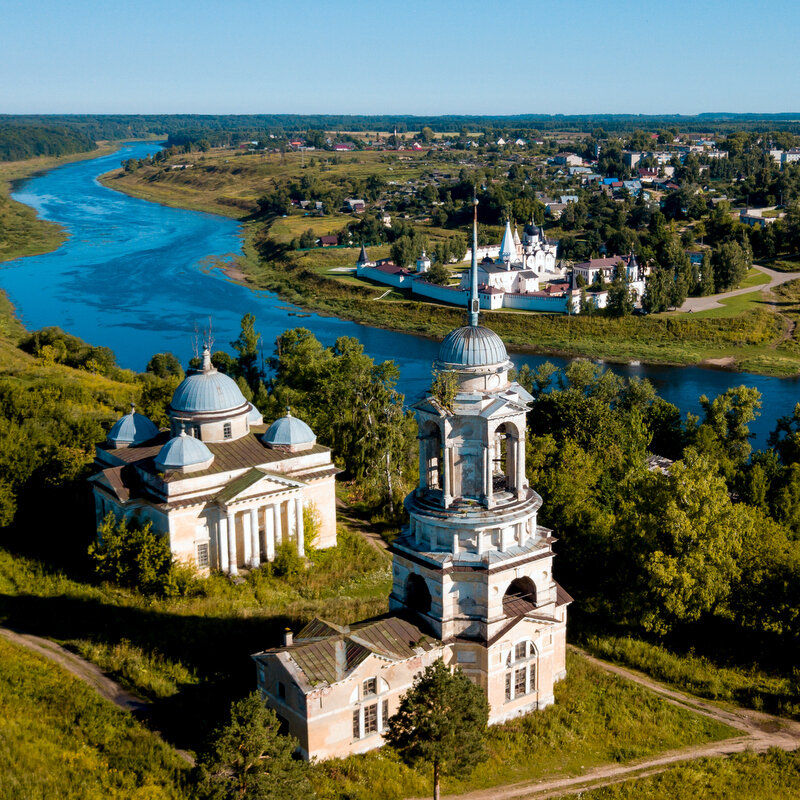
217, 648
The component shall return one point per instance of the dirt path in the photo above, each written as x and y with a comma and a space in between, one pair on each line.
344, 512
759, 733
712, 300
86, 671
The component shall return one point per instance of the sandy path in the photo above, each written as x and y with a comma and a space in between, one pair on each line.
712, 300
759, 733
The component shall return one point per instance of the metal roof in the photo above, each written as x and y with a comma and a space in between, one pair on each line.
472, 346
289, 431
182, 451
133, 428
207, 391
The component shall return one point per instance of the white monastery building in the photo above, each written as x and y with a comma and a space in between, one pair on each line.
472, 574
224, 488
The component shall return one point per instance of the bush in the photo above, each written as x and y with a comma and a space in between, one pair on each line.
287, 561
137, 557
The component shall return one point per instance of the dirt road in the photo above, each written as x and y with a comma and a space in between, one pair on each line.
712, 300
759, 733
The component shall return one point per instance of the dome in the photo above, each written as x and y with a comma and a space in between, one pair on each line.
133, 428
472, 346
254, 416
207, 391
183, 452
289, 432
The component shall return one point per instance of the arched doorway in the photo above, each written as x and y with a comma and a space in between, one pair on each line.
418, 598
506, 457
431, 465
520, 597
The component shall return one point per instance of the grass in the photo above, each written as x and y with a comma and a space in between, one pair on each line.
698, 675
597, 718
754, 277
762, 776
734, 306
22, 232
61, 740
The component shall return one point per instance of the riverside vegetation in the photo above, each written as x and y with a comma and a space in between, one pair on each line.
59, 395
260, 188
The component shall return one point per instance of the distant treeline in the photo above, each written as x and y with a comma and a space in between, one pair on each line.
193, 126
27, 141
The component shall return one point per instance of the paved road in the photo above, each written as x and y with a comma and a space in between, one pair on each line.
712, 300
759, 732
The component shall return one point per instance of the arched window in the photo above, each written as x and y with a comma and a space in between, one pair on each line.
430, 456
520, 597
418, 598
507, 452
521, 674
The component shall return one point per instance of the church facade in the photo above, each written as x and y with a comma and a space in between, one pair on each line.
225, 489
472, 574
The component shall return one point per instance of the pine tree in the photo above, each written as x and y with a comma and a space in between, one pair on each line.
249, 758
442, 720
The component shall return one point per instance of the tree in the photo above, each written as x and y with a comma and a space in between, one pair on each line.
620, 300
164, 365
249, 758
731, 262
439, 273
442, 720
247, 348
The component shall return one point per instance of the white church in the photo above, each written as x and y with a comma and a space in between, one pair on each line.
224, 488
472, 573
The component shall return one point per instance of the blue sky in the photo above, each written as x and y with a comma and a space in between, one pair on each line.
412, 57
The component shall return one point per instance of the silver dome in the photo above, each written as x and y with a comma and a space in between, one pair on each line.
472, 346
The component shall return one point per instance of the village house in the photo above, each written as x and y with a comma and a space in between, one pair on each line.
472, 574
224, 488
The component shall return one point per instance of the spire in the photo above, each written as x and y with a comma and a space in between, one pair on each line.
474, 303
508, 249
362, 256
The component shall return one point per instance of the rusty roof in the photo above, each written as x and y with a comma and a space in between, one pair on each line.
328, 653
248, 451
563, 597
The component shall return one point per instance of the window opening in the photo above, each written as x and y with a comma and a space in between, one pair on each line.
202, 554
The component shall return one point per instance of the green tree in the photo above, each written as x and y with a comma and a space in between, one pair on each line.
247, 348
165, 365
442, 721
250, 759
439, 274
731, 262
620, 298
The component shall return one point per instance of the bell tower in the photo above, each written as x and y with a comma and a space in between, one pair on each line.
473, 565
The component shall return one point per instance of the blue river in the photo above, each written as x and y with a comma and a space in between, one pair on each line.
140, 277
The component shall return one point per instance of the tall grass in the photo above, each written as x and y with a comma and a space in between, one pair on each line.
755, 776
698, 675
596, 718
59, 740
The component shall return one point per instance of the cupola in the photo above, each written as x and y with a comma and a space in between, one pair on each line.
132, 429
184, 454
290, 434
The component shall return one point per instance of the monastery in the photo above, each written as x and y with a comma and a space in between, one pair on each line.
224, 488
472, 573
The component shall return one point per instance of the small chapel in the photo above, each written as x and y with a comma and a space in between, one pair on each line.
472, 573
224, 488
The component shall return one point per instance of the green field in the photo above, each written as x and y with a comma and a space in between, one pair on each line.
597, 718
60, 740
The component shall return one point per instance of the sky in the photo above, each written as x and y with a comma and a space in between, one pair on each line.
404, 57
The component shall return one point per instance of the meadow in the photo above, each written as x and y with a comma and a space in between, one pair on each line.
61, 740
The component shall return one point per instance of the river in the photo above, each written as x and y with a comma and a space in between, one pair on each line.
138, 277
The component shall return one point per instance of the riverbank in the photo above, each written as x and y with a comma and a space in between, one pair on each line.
752, 341
24, 233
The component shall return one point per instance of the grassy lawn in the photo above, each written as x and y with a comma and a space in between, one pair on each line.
61, 740
734, 306
763, 776
754, 277
597, 718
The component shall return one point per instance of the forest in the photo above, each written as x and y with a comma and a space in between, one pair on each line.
29, 141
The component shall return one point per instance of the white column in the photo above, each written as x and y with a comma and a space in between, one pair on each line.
446, 488
291, 520
277, 516
269, 533
519, 462
298, 511
246, 538
222, 543
489, 476
255, 556
423, 463
233, 565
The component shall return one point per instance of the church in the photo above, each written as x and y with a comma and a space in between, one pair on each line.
225, 489
472, 573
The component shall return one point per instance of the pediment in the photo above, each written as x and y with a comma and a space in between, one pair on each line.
255, 483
